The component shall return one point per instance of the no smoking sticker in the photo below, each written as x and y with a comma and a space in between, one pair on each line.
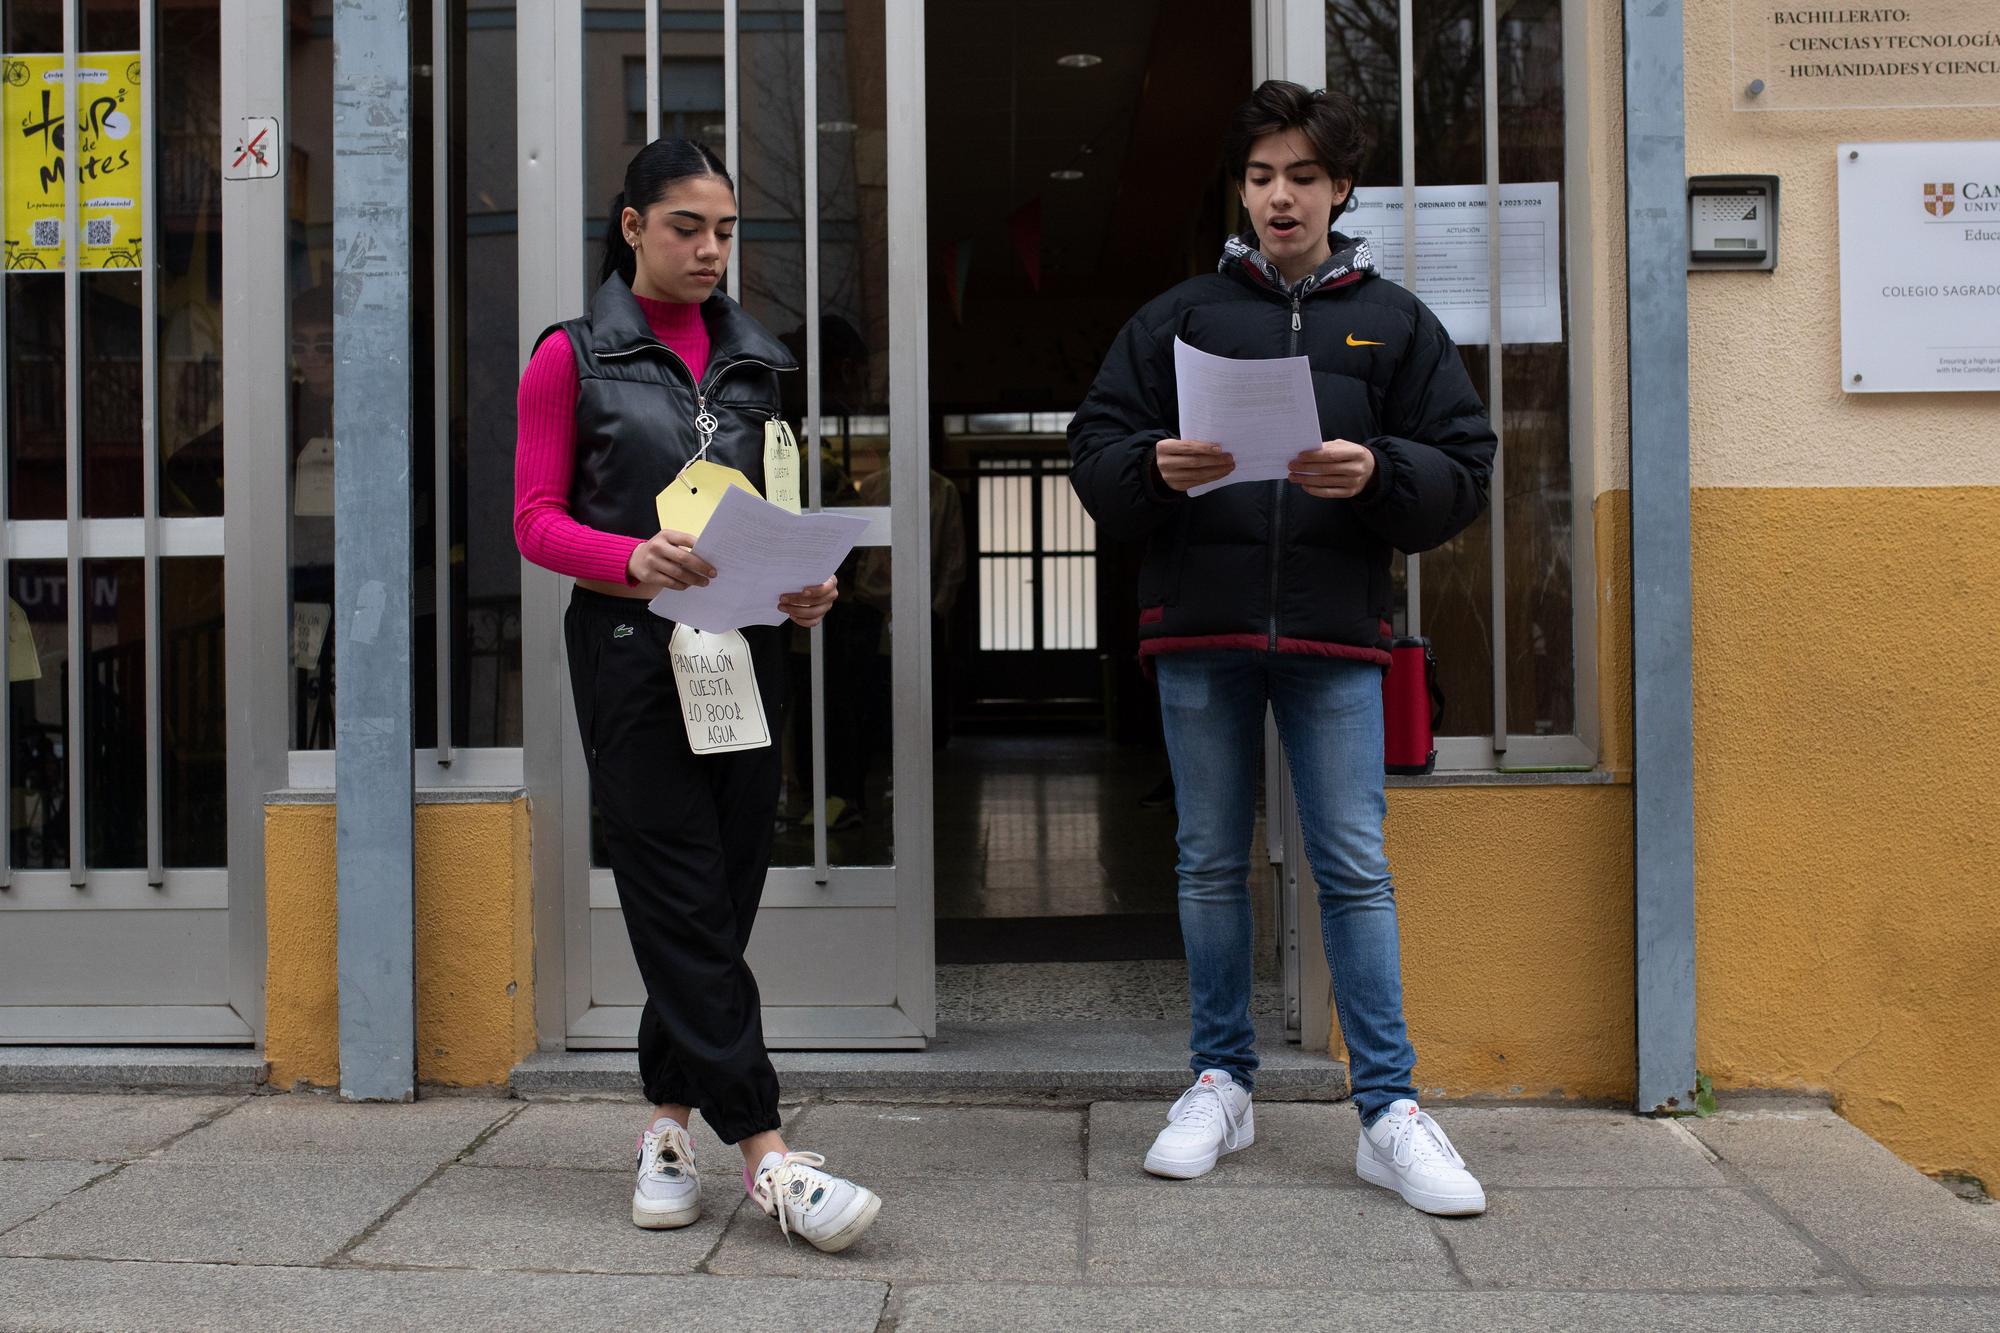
252, 153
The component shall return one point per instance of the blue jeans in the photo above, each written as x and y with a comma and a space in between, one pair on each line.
1329, 715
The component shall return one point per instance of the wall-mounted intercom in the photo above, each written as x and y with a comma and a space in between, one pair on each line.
1733, 222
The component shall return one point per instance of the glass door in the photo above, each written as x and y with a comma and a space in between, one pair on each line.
115, 901
802, 99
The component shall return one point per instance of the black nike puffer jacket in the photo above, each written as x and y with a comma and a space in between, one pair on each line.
1263, 564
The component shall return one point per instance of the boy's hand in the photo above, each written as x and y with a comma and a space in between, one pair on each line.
1337, 470
1185, 464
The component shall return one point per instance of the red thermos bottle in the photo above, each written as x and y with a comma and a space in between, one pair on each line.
1410, 702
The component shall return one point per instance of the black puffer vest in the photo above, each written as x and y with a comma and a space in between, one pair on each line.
637, 400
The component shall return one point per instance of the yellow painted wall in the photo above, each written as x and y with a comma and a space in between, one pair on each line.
475, 965
301, 991
1846, 551
1516, 912
1848, 806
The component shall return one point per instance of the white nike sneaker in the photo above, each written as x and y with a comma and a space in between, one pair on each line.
828, 1211
667, 1193
1211, 1118
1407, 1151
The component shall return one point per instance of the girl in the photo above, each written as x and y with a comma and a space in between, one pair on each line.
665, 369
1277, 595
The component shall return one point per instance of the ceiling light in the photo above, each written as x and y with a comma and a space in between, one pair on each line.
716, 130
837, 127
1065, 174
1081, 60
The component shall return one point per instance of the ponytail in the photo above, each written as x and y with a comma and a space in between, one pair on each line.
618, 255
647, 179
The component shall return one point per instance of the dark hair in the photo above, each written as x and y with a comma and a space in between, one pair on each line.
648, 177
1331, 122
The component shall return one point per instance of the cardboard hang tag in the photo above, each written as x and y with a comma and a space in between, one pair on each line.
781, 464
717, 682
689, 499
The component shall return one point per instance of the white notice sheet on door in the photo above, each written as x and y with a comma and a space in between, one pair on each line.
1451, 275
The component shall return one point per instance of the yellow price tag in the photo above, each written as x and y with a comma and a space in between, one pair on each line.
781, 465
688, 500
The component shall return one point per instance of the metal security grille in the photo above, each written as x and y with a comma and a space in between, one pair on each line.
1037, 558
1469, 171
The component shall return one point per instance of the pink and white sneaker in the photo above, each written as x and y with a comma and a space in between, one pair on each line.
828, 1211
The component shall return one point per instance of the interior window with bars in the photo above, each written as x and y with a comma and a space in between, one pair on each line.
1037, 558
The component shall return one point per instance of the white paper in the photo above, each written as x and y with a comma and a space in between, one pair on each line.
1451, 273
760, 553
1261, 412
1919, 267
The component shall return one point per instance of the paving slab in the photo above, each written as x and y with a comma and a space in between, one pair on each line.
1031, 1231
296, 1212
98, 1126
548, 1219
325, 1129
1555, 1147
1669, 1240
596, 1136
1298, 1145
28, 1187
870, 1141
1891, 1222
1033, 1309
1262, 1237
153, 1068
39, 1295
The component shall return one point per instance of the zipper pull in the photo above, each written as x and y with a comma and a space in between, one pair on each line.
1295, 316
705, 423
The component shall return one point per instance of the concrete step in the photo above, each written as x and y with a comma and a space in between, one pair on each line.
990, 1061
138, 1068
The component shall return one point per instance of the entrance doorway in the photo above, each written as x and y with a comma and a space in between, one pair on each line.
1075, 172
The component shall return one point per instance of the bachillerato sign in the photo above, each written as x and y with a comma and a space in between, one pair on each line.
1815, 56
1919, 266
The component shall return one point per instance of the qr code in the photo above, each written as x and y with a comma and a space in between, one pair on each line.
99, 231
48, 233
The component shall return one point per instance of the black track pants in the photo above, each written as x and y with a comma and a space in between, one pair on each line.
689, 839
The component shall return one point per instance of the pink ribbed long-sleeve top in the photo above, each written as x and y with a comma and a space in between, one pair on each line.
545, 453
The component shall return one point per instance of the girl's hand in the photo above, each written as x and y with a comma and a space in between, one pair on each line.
808, 606
1337, 470
1185, 464
668, 561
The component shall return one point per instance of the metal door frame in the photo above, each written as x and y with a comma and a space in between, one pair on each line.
1288, 41
551, 166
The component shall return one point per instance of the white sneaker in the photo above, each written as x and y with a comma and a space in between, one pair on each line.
1407, 1151
828, 1211
1211, 1118
668, 1191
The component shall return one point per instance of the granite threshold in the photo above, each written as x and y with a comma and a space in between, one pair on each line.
1065, 1062
207, 1069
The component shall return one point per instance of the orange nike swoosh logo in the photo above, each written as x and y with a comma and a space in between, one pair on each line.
1353, 341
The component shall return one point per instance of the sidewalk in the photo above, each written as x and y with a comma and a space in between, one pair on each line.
167, 1212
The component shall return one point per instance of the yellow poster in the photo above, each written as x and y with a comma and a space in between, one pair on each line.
36, 157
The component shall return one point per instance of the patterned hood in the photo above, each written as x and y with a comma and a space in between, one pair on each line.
1350, 256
